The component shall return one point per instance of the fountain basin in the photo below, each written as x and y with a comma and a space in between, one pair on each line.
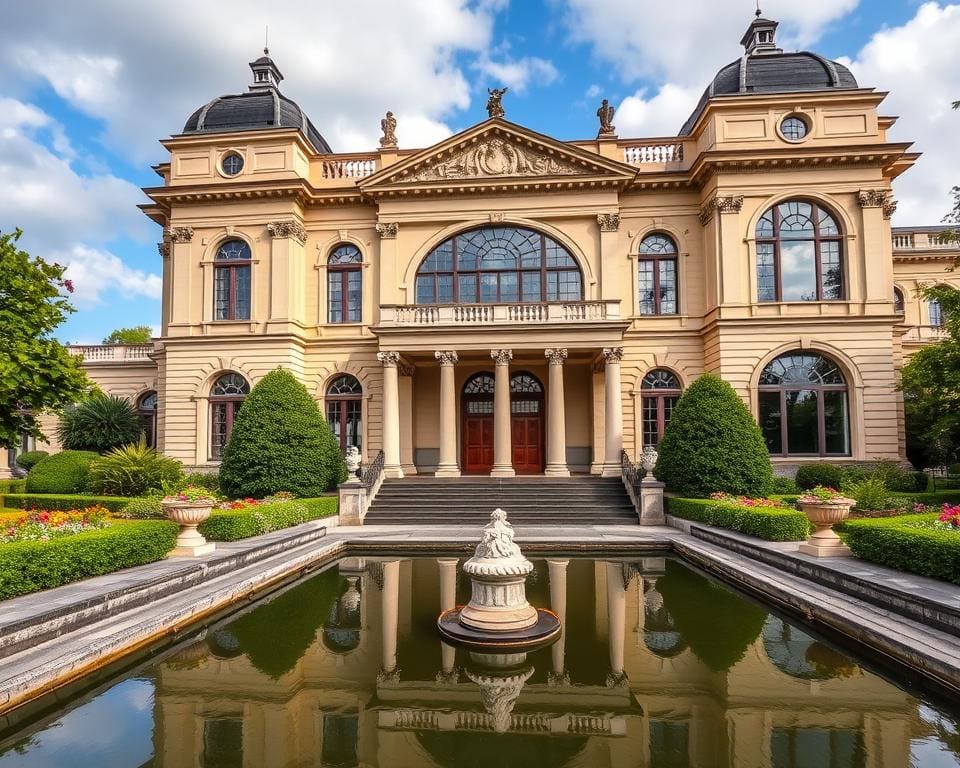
543, 632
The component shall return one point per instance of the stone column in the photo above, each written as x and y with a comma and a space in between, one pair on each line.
616, 622
448, 466
389, 618
391, 414
558, 604
613, 413
502, 442
556, 419
448, 600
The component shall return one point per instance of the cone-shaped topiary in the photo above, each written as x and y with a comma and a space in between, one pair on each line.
280, 442
713, 444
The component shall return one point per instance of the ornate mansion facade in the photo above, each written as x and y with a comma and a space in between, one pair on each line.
507, 303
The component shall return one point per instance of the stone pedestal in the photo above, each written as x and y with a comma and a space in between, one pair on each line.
825, 542
188, 515
353, 502
651, 502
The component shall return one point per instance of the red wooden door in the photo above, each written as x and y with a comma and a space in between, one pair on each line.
478, 443
527, 438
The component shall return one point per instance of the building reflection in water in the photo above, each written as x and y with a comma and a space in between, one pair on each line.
656, 666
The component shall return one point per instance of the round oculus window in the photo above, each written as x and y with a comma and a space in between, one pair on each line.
794, 128
232, 164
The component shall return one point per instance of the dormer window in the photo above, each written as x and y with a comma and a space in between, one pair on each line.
765, 37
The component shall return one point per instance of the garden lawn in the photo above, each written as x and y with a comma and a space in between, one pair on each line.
770, 523
234, 524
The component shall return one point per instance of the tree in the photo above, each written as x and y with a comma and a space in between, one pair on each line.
100, 423
931, 389
280, 442
713, 444
140, 334
37, 373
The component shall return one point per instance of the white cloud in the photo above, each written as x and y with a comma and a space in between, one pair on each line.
517, 74
917, 64
94, 272
659, 115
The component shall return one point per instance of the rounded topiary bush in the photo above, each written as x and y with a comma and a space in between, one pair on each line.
819, 473
29, 459
65, 472
280, 442
713, 444
100, 424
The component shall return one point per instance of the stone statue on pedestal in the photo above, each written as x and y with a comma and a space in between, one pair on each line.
605, 113
389, 127
494, 107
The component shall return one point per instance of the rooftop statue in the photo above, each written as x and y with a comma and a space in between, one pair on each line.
494, 107
605, 113
389, 127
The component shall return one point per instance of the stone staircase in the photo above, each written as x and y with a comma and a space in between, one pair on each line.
583, 500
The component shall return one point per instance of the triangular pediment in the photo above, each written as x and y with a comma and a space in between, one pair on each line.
497, 151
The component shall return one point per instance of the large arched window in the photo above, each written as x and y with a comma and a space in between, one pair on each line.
493, 265
344, 411
799, 254
803, 406
231, 281
147, 410
226, 396
344, 296
657, 275
659, 392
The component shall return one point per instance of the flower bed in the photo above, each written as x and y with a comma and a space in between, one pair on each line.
51, 501
768, 519
44, 525
253, 519
29, 566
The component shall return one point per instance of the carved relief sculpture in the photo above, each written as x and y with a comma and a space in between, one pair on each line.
389, 127
290, 228
606, 113
493, 157
494, 105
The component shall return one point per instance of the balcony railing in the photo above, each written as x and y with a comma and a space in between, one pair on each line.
918, 241
111, 353
653, 153
498, 314
922, 334
357, 168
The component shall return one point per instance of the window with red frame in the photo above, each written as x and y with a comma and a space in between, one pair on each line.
226, 396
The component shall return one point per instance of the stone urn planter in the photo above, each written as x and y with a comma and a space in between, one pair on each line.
188, 514
824, 513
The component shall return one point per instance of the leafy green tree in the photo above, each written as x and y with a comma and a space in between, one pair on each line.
37, 373
931, 389
280, 442
713, 444
140, 334
100, 423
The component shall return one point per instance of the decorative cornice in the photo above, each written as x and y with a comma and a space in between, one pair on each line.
291, 228
501, 356
446, 357
730, 204
181, 234
613, 354
556, 356
388, 230
389, 359
609, 222
163, 248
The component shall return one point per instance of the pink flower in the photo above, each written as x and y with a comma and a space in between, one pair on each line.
68, 284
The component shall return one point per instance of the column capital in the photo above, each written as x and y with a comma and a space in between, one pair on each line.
163, 248
609, 222
388, 230
872, 198
389, 359
502, 356
181, 234
446, 357
289, 228
730, 204
555, 356
613, 354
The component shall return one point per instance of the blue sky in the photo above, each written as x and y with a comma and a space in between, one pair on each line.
87, 92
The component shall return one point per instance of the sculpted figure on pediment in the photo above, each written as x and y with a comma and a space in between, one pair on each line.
494, 157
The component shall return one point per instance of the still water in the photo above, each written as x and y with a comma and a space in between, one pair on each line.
658, 666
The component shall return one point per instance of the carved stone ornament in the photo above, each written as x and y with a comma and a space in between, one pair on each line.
493, 157
291, 228
446, 357
405, 369
889, 208
613, 354
352, 460
389, 127
181, 234
648, 460
730, 204
501, 356
495, 102
163, 248
499, 694
609, 222
389, 359
605, 113
872, 198
388, 230
497, 554
555, 356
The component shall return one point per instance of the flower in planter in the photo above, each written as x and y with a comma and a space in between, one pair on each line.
822, 494
191, 494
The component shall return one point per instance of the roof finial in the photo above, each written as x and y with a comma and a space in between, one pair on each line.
266, 38
759, 13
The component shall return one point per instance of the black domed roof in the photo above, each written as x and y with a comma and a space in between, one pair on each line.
262, 107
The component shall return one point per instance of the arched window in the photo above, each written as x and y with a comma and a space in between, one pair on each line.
803, 406
344, 298
226, 396
898, 301
231, 281
344, 411
493, 265
935, 312
657, 275
147, 408
659, 392
799, 254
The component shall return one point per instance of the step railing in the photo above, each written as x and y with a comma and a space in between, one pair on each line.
356, 494
372, 475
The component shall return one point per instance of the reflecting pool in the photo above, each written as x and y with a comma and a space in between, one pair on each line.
657, 666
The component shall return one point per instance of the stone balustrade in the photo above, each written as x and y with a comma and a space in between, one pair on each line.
111, 353
352, 168
653, 153
499, 314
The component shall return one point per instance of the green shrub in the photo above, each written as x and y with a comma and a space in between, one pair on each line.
910, 482
145, 508
770, 523
51, 501
819, 473
784, 485
100, 424
209, 481
280, 442
931, 497
12, 486
870, 494
28, 566
234, 524
134, 470
905, 544
953, 469
66, 472
29, 459
713, 444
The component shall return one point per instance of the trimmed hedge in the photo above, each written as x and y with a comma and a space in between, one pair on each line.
65, 472
931, 497
770, 523
903, 543
819, 473
13, 486
234, 524
29, 566
51, 501
29, 459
